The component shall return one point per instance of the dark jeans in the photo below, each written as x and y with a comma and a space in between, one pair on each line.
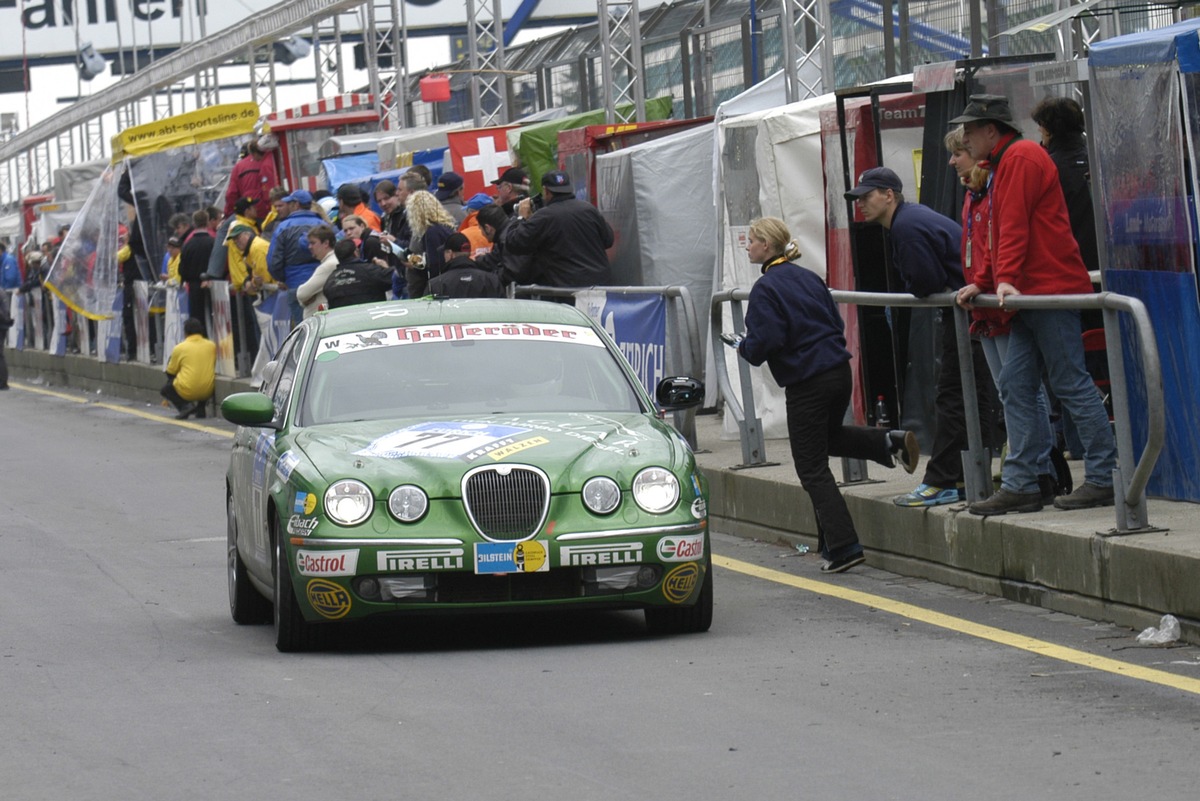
945, 468
170, 393
815, 410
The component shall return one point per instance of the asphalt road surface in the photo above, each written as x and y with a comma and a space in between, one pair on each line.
123, 676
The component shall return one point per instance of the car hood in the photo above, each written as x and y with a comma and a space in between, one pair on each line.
434, 454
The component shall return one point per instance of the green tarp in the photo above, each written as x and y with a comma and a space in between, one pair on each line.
537, 145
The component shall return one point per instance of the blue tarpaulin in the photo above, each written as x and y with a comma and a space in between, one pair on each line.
1143, 87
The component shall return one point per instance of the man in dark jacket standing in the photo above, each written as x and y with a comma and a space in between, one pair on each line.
566, 238
193, 266
354, 281
926, 250
462, 278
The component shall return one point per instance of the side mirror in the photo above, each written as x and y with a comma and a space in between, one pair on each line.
679, 392
248, 409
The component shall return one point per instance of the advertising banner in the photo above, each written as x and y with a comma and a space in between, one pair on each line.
637, 323
221, 329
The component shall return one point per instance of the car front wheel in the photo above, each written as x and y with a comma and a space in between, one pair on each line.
685, 619
292, 631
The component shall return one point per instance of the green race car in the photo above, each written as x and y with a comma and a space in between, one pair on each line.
461, 455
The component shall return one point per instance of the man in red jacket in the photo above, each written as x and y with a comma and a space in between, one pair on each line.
1033, 252
254, 176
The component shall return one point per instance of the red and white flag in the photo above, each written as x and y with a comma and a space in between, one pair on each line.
480, 156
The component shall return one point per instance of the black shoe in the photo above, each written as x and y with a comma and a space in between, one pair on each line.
842, 565
903, 445
1005, 501
185, 411
1086, 497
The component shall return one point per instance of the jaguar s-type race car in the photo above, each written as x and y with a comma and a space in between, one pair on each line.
460, 456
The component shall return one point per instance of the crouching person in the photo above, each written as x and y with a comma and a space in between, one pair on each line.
191, 372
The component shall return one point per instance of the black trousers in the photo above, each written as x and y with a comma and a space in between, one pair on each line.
944, 468
815, 410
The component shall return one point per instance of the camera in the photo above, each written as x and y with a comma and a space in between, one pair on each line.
536, 201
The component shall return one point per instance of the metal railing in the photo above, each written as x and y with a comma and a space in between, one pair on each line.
686, 343
1132, 473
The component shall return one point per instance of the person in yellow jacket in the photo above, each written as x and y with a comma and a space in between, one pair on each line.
191, 372
249, 272
243, 217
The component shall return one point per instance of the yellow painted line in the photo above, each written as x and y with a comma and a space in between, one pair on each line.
158, 418
1000, 636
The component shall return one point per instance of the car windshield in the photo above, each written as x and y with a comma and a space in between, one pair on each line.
467, 369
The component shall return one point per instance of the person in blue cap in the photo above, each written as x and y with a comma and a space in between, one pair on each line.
289, 260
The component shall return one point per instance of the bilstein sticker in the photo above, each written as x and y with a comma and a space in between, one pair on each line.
509, 557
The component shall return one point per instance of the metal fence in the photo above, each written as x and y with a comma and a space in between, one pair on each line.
1132, 472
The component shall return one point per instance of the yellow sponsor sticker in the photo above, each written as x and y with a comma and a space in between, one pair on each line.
529, 556
328, 599
516, 447
678, 584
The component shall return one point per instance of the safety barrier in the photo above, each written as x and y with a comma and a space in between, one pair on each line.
687, 345
1131, 474
158, 313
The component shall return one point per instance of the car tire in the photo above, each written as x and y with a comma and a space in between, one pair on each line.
692, 619
247, 606
292, 632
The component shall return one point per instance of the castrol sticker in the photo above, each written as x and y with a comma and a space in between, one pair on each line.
681, 549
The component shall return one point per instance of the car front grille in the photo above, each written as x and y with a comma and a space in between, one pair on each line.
506, 503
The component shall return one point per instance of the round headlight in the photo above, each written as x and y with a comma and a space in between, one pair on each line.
601, 495
656, 490
348, 502
408, 504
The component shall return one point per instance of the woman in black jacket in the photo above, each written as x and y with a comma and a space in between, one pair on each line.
794, 326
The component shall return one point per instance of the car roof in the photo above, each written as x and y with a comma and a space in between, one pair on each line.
433, 312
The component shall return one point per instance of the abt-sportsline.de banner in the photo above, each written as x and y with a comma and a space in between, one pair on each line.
47, 28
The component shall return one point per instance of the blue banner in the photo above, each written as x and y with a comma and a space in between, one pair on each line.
638, 324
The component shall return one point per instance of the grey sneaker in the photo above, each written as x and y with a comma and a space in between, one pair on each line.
1005, 501
1086, 497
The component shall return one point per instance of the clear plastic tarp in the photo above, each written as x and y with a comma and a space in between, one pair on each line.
85, 274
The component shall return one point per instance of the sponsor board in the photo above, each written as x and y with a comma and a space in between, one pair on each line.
420, 559
623, 553
678, 584
328, 599
681, 549
327, 563
301, 526
511, 557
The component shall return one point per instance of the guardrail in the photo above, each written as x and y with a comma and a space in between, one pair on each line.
1131, 474
688, 346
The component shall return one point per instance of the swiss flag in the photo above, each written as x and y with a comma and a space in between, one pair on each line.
480, 155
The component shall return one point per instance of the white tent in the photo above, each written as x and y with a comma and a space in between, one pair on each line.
771, 164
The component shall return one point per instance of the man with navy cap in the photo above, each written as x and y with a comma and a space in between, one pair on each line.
926, 250
289, 260
1033, 252
566, 239
449, 193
